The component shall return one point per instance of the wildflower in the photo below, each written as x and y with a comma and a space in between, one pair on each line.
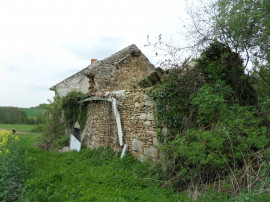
6, 138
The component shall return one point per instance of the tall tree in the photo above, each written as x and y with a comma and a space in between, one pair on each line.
245, 26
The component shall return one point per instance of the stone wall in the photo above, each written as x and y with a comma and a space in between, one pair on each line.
77, 82
122, 75
137, 123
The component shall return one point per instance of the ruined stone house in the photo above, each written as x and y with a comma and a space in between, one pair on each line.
120, 114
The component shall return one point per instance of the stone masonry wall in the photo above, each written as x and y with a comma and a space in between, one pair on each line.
122, 75
137, 123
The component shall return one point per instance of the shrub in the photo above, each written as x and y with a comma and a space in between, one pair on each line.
60, 116
215, 127
12, 166
53, 123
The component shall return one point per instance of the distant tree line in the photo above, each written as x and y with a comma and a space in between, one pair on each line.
42, 106
13, 115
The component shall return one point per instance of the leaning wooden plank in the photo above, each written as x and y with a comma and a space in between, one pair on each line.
118, 121
124, 151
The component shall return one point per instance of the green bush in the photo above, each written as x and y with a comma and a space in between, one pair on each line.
60, 115
53, 124
218, 62
216, 126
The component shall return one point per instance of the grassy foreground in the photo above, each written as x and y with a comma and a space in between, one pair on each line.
89, 175
31, 174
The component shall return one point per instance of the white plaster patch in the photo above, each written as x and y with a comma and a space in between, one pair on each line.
74, 144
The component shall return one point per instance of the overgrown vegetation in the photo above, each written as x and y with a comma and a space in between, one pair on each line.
12, 166
74, 110
91, 175
213, 128
60, 117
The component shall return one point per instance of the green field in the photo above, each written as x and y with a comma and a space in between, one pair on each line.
18, 127
32, 112
89, 175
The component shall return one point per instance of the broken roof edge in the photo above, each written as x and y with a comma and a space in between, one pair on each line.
114, 58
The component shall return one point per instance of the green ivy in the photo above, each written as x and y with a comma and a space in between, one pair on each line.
74, 110
62, 113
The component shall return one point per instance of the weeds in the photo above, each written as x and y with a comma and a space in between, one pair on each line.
91, 175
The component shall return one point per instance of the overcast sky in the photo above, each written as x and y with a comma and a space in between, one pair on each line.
42, 42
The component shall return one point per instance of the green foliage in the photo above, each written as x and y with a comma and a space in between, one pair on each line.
74, 110
12, 115
262, 83
53, 122
214, 125
245, 25
91, 175
220, 64
62, 114
210, 150
97, 175
173, 110
12, 166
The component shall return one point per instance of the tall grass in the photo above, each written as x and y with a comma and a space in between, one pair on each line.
31, 174
89, 175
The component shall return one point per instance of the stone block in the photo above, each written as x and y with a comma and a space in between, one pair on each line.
143, 116
65, 149
155, 141
145, 97
147, 123
151, 152
151, 133
149, 103
136, 98
137, 145
137, 104
142, 158
150, 117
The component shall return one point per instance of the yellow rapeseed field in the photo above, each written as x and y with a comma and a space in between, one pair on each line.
5, 137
